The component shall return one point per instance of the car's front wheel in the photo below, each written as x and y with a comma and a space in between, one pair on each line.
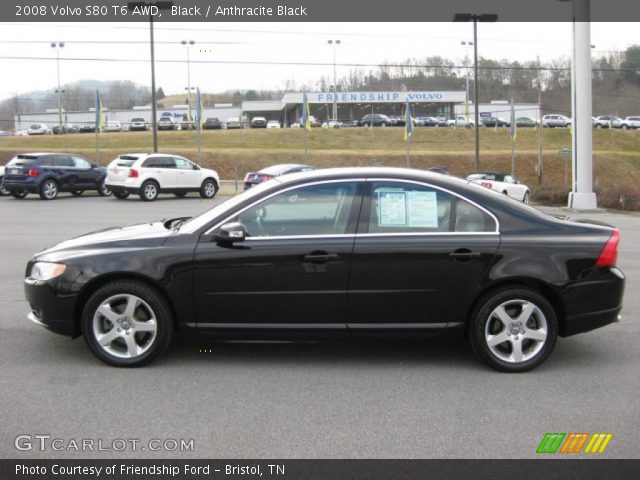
525, 199
49, 189
149, 191
103, 190
127, 323
3, 191
209, 188
513, 329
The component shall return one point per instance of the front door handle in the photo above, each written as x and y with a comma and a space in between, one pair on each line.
464, 254
320, 257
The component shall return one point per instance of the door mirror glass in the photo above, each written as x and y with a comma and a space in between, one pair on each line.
231, 233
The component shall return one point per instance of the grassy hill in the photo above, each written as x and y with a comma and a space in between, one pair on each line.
234, 152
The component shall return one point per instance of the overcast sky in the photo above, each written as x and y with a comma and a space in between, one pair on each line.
363, 43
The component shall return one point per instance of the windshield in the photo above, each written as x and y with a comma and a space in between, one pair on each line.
207, 216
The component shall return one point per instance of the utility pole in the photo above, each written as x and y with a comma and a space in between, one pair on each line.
540, 137
58, 46
335, 79
188, 44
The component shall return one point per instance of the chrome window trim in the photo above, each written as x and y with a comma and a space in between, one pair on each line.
364, 235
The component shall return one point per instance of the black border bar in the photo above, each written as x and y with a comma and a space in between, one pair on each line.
335, 469
314, 10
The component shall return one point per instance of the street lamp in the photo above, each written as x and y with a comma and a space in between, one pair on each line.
58, 46
188, 44
467, 17
335, 82
466, 98
164, 5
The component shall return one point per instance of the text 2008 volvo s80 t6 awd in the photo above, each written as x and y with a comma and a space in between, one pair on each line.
342, 251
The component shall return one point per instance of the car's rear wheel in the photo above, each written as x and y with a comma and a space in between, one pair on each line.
19, 194
77, 193
3, 191
598, 125
121, 195
180, 194
127, 323
103, 190
513, 329
49, 189
625, 127
149, 191
209, 188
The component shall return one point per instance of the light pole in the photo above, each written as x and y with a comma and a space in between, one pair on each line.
58, 46
164, 5
466, 99
467, 17
335, 84
188, 44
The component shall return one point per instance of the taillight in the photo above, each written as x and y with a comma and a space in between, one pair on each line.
487, 184
133, 173
33, 172
609, 254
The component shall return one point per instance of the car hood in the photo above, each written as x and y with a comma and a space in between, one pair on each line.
119, 238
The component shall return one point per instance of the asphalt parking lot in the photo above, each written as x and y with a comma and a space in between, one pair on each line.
361, 399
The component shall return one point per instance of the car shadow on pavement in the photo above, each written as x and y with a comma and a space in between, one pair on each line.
441, 350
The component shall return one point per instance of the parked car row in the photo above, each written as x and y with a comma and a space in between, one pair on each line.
143, 174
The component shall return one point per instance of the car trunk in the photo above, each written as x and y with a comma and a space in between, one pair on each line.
120, 171
18, 168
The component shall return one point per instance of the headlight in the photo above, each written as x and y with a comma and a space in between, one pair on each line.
47, 271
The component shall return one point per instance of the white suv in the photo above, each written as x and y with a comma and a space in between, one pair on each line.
553, 120
150, 174
631, 122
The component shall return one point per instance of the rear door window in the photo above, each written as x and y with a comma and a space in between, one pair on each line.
401, 208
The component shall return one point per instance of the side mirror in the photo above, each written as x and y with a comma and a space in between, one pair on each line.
231, 233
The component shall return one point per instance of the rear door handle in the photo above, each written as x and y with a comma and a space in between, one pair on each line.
320, 257
464, 254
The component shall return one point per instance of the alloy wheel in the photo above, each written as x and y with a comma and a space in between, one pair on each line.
125, 326
516, 331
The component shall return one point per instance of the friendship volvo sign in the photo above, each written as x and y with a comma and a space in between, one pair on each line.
378, 97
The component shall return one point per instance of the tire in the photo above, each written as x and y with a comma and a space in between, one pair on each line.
3, 191
127, 323
149, 191
103, 191
625, 127
49, 189
77, 193
525, 199
19, 194
180, 194
493, 339
121, 195
383, 124
209, 188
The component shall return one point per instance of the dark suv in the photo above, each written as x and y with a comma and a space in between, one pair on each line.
50, 173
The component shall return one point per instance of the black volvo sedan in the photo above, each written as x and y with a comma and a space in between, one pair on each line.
339, 251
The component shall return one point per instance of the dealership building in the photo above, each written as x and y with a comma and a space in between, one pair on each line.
288, 110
